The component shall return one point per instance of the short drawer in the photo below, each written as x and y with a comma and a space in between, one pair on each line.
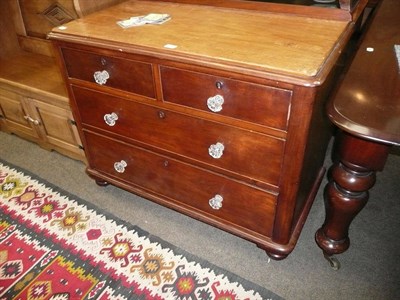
208, 193
251, 102
238, 151
124, 74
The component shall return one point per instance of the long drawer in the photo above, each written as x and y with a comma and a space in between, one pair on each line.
239, 151
213, 195
124, 74
260, 104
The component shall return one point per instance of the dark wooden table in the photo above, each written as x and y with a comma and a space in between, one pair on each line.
366, 109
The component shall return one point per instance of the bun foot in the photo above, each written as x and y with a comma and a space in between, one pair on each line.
98, 181
276, 256
101, 182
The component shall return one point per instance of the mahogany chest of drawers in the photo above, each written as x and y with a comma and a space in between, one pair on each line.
217, 119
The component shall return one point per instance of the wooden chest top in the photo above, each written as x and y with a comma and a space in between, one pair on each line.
282, 44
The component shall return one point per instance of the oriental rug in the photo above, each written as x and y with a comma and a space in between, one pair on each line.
56, 246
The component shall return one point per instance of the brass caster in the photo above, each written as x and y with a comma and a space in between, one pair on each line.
333, 261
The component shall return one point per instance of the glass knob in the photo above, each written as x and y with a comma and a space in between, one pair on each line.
120, 166
216, 150
101, 77
216, 202
110, 119
215, 103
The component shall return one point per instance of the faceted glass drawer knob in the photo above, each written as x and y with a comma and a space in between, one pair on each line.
120, 166
110, 119
216, 202
101, 77
216, 150
215, 103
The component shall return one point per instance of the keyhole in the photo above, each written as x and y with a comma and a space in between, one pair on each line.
161, 114
219, 85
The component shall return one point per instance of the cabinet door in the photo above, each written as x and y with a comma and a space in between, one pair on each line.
14, 117
56, 127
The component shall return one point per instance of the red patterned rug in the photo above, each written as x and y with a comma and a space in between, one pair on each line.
56, 246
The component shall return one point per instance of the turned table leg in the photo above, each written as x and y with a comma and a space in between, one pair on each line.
352, 175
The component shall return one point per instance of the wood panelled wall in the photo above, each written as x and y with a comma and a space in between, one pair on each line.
8, 39
84, 7
33, 14
25, 24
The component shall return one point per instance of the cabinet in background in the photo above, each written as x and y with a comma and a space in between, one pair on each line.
48, 124
33, 100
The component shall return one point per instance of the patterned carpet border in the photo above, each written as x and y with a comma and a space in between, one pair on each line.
79, 251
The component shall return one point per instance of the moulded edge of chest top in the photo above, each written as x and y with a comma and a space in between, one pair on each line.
161, 56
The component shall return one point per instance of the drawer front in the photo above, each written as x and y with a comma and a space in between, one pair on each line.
244, 153
183, 184
124, 74
255, 103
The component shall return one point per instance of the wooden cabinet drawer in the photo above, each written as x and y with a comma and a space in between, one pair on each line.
182, 183
253, 155
251, 102
125, 74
